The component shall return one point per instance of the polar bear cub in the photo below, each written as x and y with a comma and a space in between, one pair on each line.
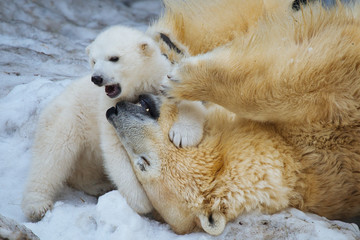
75, 144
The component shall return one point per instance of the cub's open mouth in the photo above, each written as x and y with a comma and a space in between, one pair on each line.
113, 90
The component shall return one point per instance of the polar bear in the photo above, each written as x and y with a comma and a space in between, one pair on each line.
74, 143
286, 132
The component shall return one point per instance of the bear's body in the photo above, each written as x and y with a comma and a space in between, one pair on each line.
288, 134
74, 143
197, 27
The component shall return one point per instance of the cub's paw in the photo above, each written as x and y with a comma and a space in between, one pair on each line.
184, 135
35, 207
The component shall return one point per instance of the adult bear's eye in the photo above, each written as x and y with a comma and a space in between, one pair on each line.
114, 59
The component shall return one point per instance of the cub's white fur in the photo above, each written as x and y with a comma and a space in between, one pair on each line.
74, 140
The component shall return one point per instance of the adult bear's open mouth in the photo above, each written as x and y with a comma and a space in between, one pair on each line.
146, 107
113, 90
149, 104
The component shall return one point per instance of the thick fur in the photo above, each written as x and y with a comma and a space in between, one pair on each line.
200, 26
288, 134
189, 28
74, 142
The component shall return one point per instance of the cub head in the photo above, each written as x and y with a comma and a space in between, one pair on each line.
126, 62
176, 180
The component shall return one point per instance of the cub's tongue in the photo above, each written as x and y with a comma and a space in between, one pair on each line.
113, 90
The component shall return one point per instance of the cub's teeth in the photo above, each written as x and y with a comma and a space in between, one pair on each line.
138, 104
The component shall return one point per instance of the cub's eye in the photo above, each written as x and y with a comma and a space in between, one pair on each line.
93, 62
114, 59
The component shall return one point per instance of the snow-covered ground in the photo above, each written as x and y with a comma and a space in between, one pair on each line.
42, 49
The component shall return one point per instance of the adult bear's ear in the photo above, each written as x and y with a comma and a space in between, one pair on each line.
214, 223
146, 49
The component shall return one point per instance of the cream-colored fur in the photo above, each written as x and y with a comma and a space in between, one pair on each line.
200, 26
288, 135
197, 27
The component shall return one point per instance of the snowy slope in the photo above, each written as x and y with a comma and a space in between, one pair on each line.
42, 46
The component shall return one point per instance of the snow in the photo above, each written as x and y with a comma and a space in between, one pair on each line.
42, 49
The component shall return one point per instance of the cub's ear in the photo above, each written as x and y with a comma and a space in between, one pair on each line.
214, 223
146, 49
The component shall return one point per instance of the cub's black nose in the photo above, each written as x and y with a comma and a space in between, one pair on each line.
97, 80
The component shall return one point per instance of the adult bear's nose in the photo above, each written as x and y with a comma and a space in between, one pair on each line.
98, 80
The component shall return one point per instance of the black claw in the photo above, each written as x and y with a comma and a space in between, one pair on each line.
164, 89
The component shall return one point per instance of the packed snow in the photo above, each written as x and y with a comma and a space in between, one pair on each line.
42, 49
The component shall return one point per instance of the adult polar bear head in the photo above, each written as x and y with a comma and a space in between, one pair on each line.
127, 62
206, 186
